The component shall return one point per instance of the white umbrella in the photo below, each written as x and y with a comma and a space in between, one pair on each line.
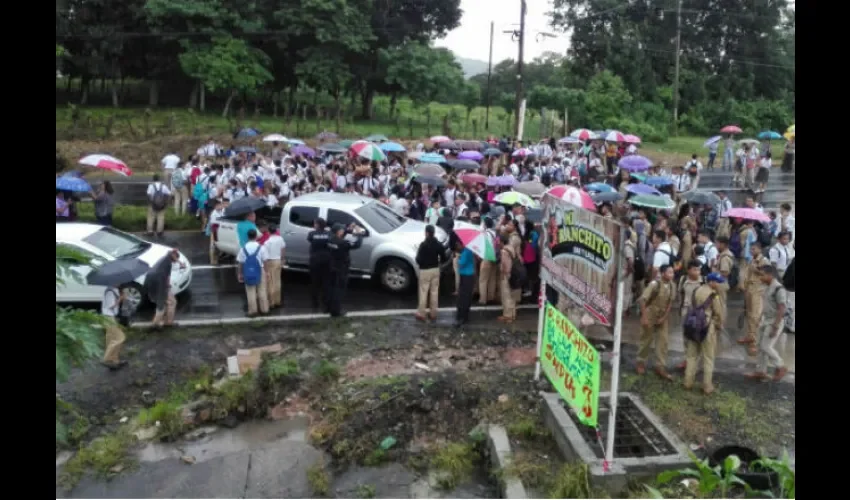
275, 138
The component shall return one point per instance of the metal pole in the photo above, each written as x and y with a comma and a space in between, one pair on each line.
615, 356
676, 74
519, 67
489, 73
541, 316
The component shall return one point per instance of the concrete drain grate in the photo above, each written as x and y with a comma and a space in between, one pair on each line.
643, 446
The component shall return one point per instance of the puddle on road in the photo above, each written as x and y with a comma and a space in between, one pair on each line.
220, 441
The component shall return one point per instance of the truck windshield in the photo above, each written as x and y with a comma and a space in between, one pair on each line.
380, 217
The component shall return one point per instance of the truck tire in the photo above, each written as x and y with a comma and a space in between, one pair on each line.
396, 275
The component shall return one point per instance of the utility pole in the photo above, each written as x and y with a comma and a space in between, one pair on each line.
676, 71
489, 73
519, 67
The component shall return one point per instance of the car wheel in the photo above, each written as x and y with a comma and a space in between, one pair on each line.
397, 276
134, 296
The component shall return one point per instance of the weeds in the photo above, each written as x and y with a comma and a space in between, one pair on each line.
711, 481
527, 428
234, 395
455, 462
365, 491
277, 369
572, 481
168, 417
327, 370
319, 479
787, 484
105, 456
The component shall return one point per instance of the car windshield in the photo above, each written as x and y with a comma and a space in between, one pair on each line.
380, 217
115, 243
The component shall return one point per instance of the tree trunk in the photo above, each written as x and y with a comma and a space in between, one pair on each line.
153, 94
193, 97
114, 92
84, 90
227, 104
393, 102
203, 98
368, 98
338, 111
275, 98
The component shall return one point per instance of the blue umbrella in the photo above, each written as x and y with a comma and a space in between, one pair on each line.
247, 132
295, 142
70, 183
712, 140
657, 180
391, 147
492, 152
598, 187
642, 189
432, 158
73, 173
769, 135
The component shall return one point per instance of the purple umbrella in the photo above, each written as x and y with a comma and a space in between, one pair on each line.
470, 155
635, 163
642, 189
303, 151
506, 180
492, 180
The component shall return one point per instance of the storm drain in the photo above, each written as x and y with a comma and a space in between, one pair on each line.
643, 445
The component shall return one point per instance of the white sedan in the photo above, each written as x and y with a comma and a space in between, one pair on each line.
102, 244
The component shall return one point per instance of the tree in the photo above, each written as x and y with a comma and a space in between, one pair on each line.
226, 64
422, 72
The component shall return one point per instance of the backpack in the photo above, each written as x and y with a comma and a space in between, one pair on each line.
765, 236
159, 200
733, 274
639, 268
735, 244
788, 277
252, 269
178, 178
705, 269
519, 277
696, 322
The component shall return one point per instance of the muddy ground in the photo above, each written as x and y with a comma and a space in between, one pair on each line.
425, 386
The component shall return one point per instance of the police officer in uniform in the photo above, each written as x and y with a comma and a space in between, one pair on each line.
340, 261
320, 256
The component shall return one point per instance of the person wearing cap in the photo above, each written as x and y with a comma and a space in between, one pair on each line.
707, 349
340, 262
655, 305
772, 323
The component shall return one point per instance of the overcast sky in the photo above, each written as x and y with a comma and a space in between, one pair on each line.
472, 38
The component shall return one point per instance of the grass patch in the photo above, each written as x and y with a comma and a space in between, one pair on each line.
133, 218
327, 370
106, 456
277, 369
375, 458
319, 479
528, 428
573, 481
169, 416
365, 491
235, 395
455, 462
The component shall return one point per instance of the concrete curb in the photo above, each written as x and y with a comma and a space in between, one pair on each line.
312, 316
501, 457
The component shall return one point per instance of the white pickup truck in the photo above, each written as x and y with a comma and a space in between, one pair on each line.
389, 245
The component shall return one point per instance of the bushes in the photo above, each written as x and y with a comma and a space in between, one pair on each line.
134, 218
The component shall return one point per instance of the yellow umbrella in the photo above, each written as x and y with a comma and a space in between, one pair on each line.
789, 135
791, 130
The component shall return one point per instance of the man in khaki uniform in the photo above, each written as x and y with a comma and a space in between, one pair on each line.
655, 305
771, 326
751, 283
708, 347
685, 294
628, 263
725, 267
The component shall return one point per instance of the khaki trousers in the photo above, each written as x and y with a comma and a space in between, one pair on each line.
181, 199
158, 217
510, 298
114, 340
213, 251
767, 346
488, 281
429, 290
657, 334
166, 314
753, 303
705, 351
274, 287
258, 295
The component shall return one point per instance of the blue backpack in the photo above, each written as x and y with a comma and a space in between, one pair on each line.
252, 269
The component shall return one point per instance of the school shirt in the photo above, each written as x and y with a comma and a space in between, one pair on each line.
661, 256
251, 247
274, 246
781, 256
154, 187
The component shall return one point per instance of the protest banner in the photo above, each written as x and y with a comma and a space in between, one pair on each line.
572, 364
581, 256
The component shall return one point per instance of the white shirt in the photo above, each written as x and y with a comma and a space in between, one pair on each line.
682, 182
341, 182
450, 196
274, 247
109, 306
781, 255
661, 256
208, 149
401, 206
725, 206
153, 187
765, 163
215, 215
170, 162
694, 163
632, 149
251, 247
710, 253
271, 200
789, 224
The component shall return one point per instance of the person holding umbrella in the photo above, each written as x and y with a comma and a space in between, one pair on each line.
158, 285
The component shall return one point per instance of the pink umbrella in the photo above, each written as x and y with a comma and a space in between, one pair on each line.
107, 162
469, 179
631, 139
731, 129
615, 136
747, 213
523, 152
574, 196
583, 134
440, 138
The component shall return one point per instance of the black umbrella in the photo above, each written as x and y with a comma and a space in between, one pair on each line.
244, 206
448, 145
471, 145
535, 215
464, 165
117, 272
606, 197
432, 181
332, 148
701, 198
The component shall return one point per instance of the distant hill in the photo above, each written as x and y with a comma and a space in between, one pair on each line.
472, 67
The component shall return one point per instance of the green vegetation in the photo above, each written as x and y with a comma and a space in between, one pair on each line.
133, 218
277, 369
454, 463
365, 491
327, 370
319, 479
106, 456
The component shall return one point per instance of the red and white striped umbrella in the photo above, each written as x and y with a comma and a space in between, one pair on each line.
523, 152
107, 162
615, 136
583, 134
368, 150
631, 139
574, 195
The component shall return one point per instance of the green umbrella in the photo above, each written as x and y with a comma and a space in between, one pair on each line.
346, 143
640, 177
653, 201
377, 138
515, 198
